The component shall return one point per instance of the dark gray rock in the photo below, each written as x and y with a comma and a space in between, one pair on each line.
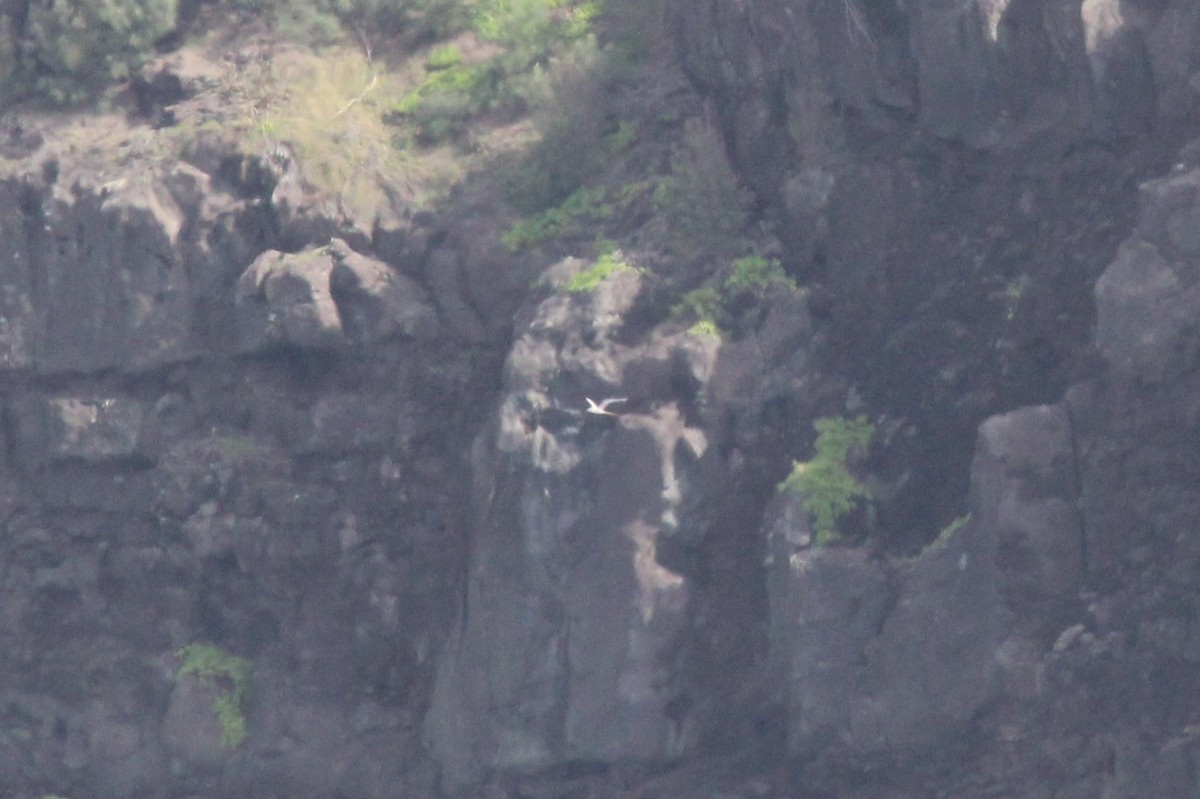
825, 612
934, 665
96, 279
1145, 312
886, 661
571, 639
191, 729
1026, 496
956, 69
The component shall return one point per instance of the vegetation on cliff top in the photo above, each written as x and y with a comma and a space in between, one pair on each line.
375, 108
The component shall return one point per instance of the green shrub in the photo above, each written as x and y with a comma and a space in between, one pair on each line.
829, 490
443, 57
582, 209
570, 100
593, 276
323, 21
529, 30
424, 19
209, 662
632, 28
442, 105
699, 304
751, 276
757, 276
70, 50
622, 138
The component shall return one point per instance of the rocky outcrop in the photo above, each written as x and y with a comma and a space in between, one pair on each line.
325, 298
571, 642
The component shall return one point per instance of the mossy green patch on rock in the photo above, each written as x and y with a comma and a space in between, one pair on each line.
593, 276
209, 662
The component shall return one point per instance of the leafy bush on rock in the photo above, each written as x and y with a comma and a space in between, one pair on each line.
829, 490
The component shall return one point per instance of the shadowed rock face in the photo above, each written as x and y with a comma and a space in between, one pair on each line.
572, 636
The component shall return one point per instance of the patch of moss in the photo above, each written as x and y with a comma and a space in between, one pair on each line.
948, 532
209, 662
830, 492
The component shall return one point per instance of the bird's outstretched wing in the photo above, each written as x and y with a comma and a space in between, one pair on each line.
602, 406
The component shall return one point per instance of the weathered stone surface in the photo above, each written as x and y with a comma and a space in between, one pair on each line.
92, 429
956, 68
1143, 312
933, 666
351, 423
327, 297
93, 278
571, 637
885, 661
374, 301
1026, 497
286, 299
827, 606
191, 728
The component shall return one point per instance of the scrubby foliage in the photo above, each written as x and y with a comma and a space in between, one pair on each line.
751, 278
830, 491
322, 21
587, 280
757, 276
524, 34
67, 51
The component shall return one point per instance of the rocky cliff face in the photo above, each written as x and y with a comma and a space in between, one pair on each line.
212, 441
355, 453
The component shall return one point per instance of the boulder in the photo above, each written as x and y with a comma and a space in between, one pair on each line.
327, 297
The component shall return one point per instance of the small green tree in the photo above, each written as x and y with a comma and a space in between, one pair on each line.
829, 490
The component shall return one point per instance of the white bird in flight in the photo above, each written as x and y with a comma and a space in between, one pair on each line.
601, 408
